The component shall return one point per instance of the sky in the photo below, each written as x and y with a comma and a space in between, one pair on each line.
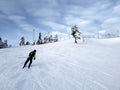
19, 17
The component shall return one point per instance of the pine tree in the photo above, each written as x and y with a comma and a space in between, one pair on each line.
40, 36
22, 42
39, 39
56, 38
50, 39
0, 39
46, 39
5, 44
75, 33
1, 43
27, 43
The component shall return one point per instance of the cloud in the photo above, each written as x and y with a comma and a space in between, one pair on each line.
3, 18
46, 12
21, 22
40, 8
61, 35
83, 24
58, 33
111, 23
17, 18
54, 25
10, 7
116, 9
71, 20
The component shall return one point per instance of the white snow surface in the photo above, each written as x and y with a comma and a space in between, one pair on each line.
92, 65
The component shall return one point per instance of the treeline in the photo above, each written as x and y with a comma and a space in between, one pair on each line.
4, 44
44, 40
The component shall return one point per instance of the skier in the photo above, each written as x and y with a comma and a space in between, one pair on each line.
30, 58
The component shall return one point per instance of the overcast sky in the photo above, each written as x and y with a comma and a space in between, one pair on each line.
19, 17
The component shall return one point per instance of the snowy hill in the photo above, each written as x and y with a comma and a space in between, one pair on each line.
93, 65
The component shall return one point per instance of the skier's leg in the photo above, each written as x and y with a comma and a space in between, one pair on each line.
30, 63
26, 62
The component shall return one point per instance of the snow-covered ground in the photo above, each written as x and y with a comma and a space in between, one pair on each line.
93, 65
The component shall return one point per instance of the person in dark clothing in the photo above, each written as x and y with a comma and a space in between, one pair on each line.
30, 58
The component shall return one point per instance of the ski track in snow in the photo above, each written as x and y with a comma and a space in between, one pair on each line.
93, 65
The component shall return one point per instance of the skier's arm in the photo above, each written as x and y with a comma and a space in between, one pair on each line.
34, 57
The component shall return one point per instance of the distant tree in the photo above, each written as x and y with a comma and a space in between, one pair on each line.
33, 43
40, 36
46, 39
1, 43
5, 44
39, 41
10, 46
56, 38
50, 39
27, 43
22, 42
0, 39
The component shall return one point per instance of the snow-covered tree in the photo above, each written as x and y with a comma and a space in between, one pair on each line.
50, 39
40, 41
75, 33
27, 43
40, 36
22, 42
1, 41
3, 44
46, 39
10, 46
56, 38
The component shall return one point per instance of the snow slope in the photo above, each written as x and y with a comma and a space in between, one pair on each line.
93, 65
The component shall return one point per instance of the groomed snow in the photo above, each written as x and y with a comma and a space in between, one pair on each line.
93, 65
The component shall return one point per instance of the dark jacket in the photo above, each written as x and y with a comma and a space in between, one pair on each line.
32, 55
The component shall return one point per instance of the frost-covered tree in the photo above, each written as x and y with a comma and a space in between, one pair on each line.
46, 39
5, 43
10, 46
40, 41
56, 38
1, 41
40, 36
27, 43
75, 33
33, 43
50, 39
22, 42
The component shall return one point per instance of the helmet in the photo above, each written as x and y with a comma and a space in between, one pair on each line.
34, 50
